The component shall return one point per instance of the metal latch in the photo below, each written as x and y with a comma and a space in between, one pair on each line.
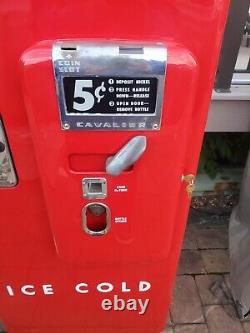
190, 180
8, 176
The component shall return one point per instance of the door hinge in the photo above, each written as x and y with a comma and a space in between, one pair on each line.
190, 180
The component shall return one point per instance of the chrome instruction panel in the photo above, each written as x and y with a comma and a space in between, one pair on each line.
109, 85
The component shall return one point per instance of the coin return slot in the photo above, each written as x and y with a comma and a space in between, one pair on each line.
94, 188
96, 219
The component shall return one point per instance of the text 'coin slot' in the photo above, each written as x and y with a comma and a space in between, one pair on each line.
96, 219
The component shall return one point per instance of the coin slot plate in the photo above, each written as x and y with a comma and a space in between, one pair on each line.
94, 188
110, 86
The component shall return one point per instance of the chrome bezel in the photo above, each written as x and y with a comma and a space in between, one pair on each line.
105, 58
108, 220
94, 195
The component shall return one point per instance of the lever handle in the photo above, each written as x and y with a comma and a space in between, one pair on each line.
127, 156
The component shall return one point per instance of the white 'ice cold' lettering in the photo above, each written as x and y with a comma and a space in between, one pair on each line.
80, 288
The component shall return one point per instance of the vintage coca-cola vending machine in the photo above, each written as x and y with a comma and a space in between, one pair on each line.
103, 105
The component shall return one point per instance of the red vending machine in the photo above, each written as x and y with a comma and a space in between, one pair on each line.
103, 105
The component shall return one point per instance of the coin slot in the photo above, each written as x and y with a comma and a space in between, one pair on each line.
68, 48
96, 219
131, 50
94, 188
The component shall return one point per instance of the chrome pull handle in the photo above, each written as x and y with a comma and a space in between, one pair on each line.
127, 156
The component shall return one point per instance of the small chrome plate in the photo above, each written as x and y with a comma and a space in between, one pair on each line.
8, 176
94, 188
107, 85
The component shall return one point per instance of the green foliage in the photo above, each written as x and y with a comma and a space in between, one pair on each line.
220, 149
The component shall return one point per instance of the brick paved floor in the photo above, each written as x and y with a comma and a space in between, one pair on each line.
202, 301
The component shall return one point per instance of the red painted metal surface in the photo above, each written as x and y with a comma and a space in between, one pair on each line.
43, 245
